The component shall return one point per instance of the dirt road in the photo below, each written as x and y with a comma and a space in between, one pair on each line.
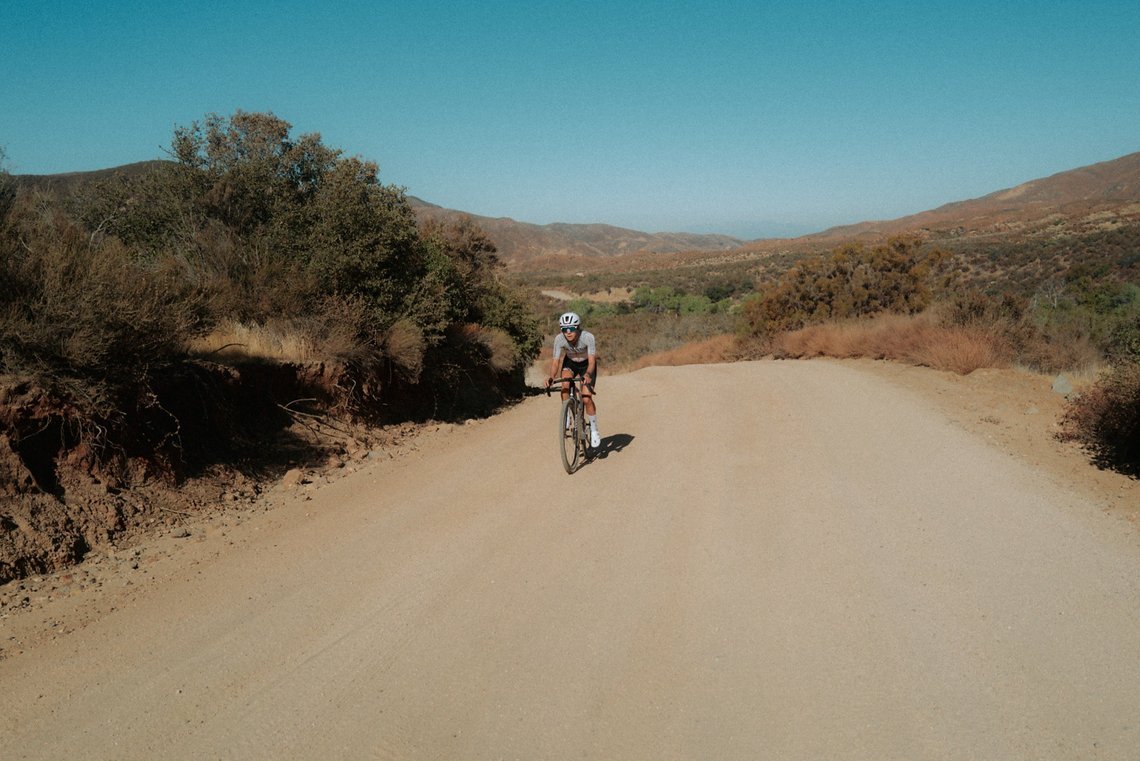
771, 561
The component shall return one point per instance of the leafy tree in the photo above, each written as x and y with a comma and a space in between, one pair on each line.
249, 224
464, 274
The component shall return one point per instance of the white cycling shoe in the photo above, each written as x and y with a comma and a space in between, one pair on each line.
595, 438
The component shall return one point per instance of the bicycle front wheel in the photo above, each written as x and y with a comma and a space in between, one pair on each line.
569, 423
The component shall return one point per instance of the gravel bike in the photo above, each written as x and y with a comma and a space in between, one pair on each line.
573, 431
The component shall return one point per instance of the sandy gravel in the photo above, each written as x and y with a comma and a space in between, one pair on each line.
784, 560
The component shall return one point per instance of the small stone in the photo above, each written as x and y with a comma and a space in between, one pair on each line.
294, 478
1062, 385
180, 533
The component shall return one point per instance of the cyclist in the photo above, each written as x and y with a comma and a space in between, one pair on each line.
575, 355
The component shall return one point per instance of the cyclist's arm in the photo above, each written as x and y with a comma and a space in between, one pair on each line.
592, 359
555, 363
555, 370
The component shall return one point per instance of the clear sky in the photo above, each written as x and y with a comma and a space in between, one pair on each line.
754, 119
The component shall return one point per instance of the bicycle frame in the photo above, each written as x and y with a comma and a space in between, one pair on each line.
573, 438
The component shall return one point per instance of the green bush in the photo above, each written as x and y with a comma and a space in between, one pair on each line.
249, 226
272, 227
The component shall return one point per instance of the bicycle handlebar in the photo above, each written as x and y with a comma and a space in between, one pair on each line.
564, 381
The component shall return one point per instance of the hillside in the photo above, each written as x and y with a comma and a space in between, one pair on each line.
1078, 200
68, 182
522, 242
517, 242
1077, 203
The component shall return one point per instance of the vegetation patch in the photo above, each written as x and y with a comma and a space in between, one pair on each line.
223, 313
1105, 419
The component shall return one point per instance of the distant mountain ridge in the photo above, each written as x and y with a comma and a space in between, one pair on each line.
520, 242
69, 181
1077, 198
517, 242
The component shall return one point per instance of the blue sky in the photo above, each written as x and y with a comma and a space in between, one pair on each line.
754, 119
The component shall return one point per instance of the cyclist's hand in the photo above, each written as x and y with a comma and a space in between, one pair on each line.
549, 382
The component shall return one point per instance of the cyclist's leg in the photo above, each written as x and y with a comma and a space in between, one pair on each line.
588, 394
588, 400
591, 409
566, 373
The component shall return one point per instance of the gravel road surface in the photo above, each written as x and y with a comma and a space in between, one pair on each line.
771, 560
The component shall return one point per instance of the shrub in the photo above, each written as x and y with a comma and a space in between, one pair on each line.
464, 285
1106, 419
74, 310
254, 245
852, 282
917, 339
1012, 321
722, 348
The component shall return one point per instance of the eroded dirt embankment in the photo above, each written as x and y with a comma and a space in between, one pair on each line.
203, 435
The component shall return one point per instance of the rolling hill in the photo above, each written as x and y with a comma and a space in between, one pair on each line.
1078, 200
1083, 200
519, 242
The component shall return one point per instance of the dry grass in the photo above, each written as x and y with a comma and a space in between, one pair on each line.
960, 350
405, 345
250, 341
723, 348
915, 339
501, 352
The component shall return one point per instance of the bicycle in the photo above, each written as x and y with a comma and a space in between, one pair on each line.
573, 433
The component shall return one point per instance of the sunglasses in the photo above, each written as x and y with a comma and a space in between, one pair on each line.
569, 330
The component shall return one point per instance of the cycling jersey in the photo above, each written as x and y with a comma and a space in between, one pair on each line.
579, 352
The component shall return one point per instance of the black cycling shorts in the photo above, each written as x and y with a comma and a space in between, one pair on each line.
579, 369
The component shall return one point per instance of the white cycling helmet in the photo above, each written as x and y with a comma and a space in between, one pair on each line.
569, 320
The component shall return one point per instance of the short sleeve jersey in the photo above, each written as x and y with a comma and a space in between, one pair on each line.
578, 352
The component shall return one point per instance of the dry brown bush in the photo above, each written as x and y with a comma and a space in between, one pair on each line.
1106, 419
336, 333
278, 342
853, 282
501, 351
960, 350
917, 339
723, 348
404, 347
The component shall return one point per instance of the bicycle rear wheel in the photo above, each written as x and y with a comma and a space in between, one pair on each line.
569, 424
